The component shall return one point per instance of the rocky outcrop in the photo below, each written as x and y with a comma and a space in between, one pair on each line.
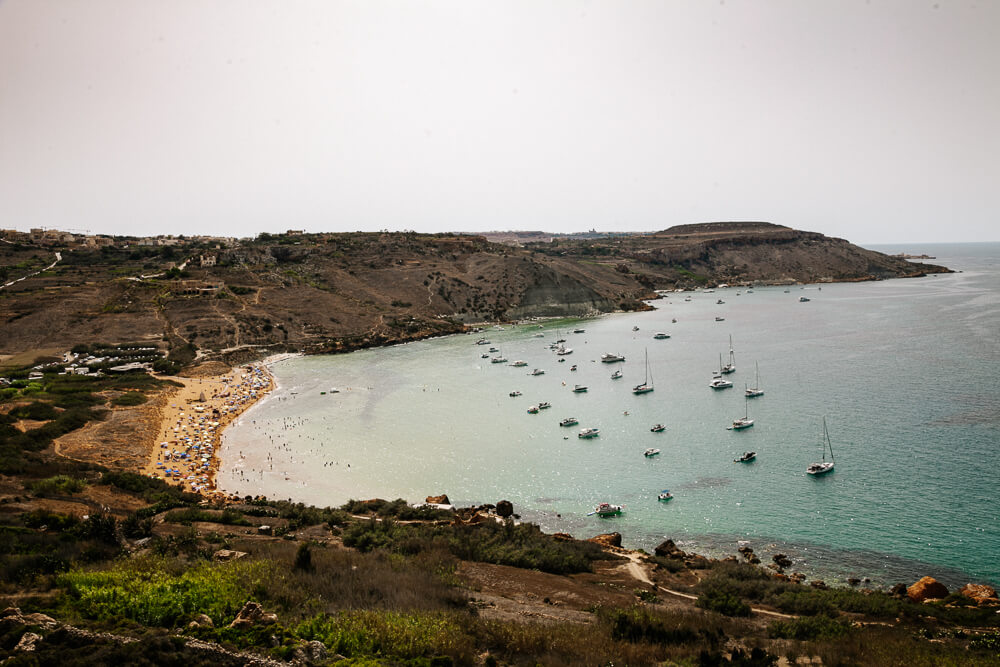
505, 508
612, 540
438, 500
981, 593
252, 614
781, 560
667, 549
927, 588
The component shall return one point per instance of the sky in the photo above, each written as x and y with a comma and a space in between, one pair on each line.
874, 121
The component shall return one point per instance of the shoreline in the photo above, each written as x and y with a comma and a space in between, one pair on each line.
185, 449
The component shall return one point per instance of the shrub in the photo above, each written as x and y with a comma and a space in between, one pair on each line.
718, 599
130, 398
60, 485
809, 628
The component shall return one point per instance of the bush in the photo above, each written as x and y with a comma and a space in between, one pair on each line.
60, 485
130, 398
809, 628
726, 602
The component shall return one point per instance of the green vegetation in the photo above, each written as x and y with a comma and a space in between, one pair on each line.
523, 545
60, 485
130, 398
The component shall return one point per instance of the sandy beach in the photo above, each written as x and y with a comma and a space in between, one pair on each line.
191, 422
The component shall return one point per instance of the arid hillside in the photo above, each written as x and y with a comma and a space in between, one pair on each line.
335, 292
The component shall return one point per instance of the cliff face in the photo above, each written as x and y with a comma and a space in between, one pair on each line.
336, 292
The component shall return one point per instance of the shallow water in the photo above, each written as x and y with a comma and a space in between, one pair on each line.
903, 370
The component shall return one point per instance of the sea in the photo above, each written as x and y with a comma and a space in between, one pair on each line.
904, 372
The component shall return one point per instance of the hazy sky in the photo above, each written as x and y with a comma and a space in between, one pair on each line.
873, 121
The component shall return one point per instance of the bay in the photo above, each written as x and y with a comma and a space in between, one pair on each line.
903, 370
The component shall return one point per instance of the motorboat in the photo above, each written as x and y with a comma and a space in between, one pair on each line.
563, 350
616, 375
482, 341
579, 330
747, 457
537, 371
514, 394
569, 421
719, 302
658, 428
803, 298
635, 328
588, 433
519, 364
720, 319
499, 360
665, 495
494, 349
573, 367
652, 451
608, 358
484, 355
579, 388
661, 336
533, 410
607, 509
543, 405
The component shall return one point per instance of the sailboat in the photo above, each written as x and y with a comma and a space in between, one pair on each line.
755, 390
744, 421
731, 366
824, 466
647, 384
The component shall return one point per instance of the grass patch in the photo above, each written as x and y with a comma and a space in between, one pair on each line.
60, 485
129, 399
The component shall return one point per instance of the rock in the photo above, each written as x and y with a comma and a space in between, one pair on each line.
819, 584
203, 621
252, 614
797, 577
898, 591
853, 581
264, 530
311, 652
697, 562
28, 641
927, 588
39, 619
981, 593
668, 549
228, 554
753, 560
607, 540
563, 537
781, 560
505, 508
438, 500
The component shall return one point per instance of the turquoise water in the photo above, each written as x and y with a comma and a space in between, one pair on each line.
905, 372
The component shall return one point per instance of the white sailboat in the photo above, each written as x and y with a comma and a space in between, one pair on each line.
823, 466
731, 366
647, 384
755, 390
742, 422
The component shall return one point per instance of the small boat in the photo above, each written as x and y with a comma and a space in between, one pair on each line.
658, 428
494, 349
561, 340
665, 495
482, 341
484, 355
747, 457
687, 298
537, 371
579, 388
719, 302
519, 364
652, 451
563, 350
647, 383
803, 299
673, 320
569, 421
824, 466
743, 422
731, 366
608, 358
499, 360
607, 509
588, 433
718, 382
755, 391
533, 410
616, 375
573, 367
334, 390
787, 291
539, 335
635, 328
662, 336
579, 331
720, 319
514, 394
544, 404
